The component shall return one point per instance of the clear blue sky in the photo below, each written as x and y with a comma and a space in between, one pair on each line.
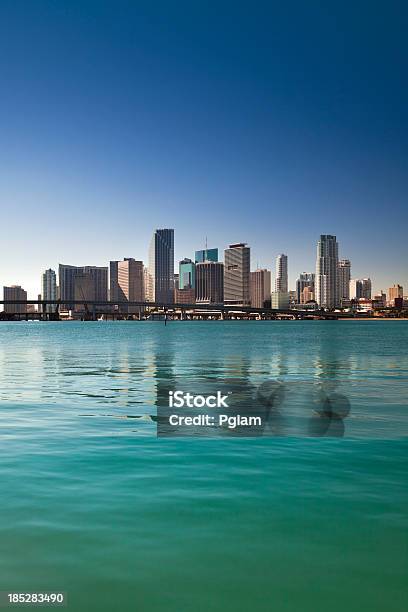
265, 122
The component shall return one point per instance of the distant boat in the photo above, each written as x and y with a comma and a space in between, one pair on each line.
101, 318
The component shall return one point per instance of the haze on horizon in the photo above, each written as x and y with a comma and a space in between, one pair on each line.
268, 124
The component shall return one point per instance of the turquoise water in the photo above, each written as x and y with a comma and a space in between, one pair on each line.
93, 504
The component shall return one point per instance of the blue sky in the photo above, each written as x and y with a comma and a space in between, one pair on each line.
265, 122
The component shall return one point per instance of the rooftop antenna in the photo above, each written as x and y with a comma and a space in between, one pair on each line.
206, 245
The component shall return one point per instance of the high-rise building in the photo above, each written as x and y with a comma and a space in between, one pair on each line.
184, 289
395, 292
84, 289
148, 285
280, 300
307, 295
130, 281
360, 288
113, 282
306, 279
366, 288
49, 289
66, 277
176, 280
326, 285
127, 281
206, 255
344, 275
186, 274
237, 263
99, 274
210, 282
355, 289
161, 265
260, 287
281, 280
15, 292
98, 278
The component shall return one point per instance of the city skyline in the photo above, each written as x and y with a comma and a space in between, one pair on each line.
34, 289
161, 278
223, 123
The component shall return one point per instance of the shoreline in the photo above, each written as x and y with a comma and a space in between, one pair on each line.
373, 319
30, 320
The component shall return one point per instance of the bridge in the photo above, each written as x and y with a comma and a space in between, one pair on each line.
94, 309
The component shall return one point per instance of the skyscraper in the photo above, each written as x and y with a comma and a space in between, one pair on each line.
236, 275
307, 295
206, 255
99, 279
360, 288
15, 292
184, 289
131, 282
344, 274
366, 288
186, 274
161, 265
113, 282
280, 300
84, 289
126, 281
326, 284
355, 289
306, 279
49, 288
66, 276
260, 287
395, 292
209, 282
281, 280
148, 285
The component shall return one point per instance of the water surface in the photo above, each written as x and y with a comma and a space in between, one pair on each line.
95, 505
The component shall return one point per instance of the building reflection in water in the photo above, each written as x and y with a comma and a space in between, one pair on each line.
262, 385
331, 405
22, 373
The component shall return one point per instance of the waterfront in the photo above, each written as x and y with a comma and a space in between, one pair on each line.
94, 505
